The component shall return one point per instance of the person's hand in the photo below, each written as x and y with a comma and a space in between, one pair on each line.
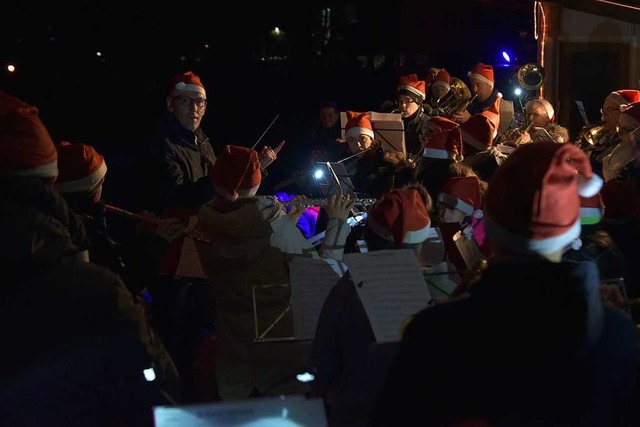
461, 116
296, 211
268, 155
339, 206
170, 229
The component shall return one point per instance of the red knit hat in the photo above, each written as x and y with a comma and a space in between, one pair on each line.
27, 147
236, 168
479, 132
186, 82
624, 96
438, 77
620, 200
444, 144
400, 216
463, 193
482, 72
533, 199
411, 86
630, 115
591, 209
80, 167
357, 124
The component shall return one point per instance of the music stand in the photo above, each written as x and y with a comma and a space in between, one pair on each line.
335, 179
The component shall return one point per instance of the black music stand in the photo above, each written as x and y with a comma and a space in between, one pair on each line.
335, 179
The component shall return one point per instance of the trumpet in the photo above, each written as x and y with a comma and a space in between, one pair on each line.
188, 232
365, 202
514, 136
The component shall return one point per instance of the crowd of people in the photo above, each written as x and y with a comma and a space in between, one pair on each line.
101, 329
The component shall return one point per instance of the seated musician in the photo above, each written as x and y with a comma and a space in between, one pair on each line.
253, 240
438, 82
539, 126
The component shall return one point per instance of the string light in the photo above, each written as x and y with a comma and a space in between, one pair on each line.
540, 32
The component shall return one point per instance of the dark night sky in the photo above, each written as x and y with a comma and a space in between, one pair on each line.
107, 100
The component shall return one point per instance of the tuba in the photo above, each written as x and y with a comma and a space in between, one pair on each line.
459, 101
530, 76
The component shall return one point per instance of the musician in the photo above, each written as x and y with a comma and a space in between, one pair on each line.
398, 220
599, 140
410, 97
438, 83
373, 169
540, 116
622, 153
461, 363
487, 97
253, 240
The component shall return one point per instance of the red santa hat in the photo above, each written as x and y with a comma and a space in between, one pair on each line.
533, 198
482, 72
545, 104
80, 167
411, 86
439, 77
400, 216
236, 168
479, 131
462, 193
27, 147
624, 96
620, 200
442, 123
591, 209
186, 82
630, 115
444, 144
358, 124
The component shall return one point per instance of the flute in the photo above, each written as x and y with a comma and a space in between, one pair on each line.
366, 202
188, 232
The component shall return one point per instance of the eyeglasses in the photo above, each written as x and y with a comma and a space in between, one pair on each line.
186, 101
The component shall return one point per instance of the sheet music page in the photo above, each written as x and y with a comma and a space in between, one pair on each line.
433, 250
391, 287
311, 281
189, 263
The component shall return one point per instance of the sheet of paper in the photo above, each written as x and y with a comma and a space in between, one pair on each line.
391, 287
433, 250
311, 281
469, 250
189, 263
290, 411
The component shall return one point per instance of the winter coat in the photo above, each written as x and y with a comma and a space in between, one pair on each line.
253, 240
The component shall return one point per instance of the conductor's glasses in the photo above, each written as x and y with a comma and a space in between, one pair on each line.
186, 101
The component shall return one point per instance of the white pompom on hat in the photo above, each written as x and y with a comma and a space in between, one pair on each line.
533, 198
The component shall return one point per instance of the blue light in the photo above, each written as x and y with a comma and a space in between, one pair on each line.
517, 91
319, 173
506, 56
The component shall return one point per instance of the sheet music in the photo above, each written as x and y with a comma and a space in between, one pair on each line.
469, 250
391, 287
433, 250
311, 281
189, 263
388, 128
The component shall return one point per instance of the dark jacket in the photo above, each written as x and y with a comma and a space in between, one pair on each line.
178, 167
75, 340
415, 129
532, 345
373, 173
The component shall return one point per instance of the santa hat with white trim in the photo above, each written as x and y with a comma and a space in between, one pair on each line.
400, 216
545, 104
26, 146
80, 166
630, 115
533, 198
591, 209
479, 132
464, 194
624, 96
438, 77
482, 72
412, 87
358, 124
186, 82
444, 144
236, 168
